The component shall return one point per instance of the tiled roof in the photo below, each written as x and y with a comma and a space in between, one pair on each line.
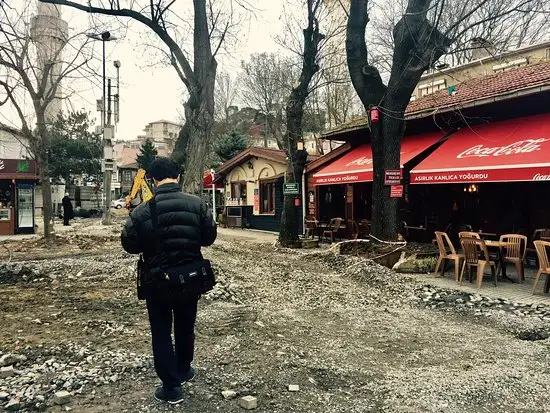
275, 155
473, 90
485, 87
127, 156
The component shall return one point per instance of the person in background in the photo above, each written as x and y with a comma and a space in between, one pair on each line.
68, 212
184, 224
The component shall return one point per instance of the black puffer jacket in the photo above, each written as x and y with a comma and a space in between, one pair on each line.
185, 224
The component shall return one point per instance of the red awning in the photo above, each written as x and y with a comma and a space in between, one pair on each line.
207, 182
356, 165
512, 150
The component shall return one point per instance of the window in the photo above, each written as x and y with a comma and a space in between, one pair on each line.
126, 176
238, 190
267, 197
429, 88
548, 54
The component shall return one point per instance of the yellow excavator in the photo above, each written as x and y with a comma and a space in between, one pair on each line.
141, 191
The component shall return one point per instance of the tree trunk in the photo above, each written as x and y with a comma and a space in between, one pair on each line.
289, 232
386, 145
417, 46
47, 207
42, 147
194, 142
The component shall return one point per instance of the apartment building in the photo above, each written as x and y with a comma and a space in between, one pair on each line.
485, 62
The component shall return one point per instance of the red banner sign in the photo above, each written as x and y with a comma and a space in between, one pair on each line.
396, 191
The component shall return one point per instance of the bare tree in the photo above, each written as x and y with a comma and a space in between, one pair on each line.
33, 66
422, 34
225, 94
293, 140
209, 28
265, 86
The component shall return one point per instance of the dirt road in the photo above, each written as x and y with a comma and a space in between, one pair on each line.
351, 334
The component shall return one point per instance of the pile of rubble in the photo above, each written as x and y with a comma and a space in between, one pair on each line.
525, 320
119, 265
226, 289
37, 378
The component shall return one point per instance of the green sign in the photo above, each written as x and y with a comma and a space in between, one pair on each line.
291, 188
23, 166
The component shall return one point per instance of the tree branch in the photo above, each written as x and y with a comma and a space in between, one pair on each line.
152, 24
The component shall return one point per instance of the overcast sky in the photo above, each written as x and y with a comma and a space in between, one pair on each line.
149, 94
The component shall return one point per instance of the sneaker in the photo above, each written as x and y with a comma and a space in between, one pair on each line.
170, 396
189, 376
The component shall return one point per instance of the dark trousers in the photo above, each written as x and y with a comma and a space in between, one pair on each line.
180, 310
66, 219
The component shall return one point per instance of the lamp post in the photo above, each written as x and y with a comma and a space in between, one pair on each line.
108, 130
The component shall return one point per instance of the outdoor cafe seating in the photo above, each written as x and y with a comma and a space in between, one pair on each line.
475, 253
544, 266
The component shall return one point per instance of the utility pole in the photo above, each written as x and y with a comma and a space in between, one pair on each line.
108, 129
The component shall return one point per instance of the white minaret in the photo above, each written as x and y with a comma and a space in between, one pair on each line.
50, 34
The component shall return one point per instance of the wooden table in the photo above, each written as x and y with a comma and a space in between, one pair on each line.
499, 245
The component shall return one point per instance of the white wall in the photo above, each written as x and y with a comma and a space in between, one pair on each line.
12, 146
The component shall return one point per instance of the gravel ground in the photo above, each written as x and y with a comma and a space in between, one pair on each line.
354, 336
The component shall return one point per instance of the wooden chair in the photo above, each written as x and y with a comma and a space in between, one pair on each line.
334, 226
473, 248
444, 245
468, 234
538, 234
544, 266
515, 252
312, 228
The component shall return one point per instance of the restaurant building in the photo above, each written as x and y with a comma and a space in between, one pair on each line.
477, 157
253, 188
18, 178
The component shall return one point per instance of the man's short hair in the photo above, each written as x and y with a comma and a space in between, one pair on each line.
164, 168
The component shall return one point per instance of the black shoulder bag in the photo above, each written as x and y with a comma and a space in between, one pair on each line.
196, 277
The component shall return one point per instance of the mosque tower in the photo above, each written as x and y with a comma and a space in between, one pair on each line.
50, 34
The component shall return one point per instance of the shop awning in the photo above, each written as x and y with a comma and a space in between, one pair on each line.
512, 150
356, 165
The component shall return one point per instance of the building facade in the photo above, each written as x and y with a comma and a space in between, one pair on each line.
485, 63
18, 178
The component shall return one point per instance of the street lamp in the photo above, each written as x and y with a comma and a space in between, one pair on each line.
108, 130
103, 38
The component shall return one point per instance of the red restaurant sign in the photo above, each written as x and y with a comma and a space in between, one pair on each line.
512, 150
357, 164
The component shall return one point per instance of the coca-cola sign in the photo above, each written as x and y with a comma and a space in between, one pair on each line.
524, 146
362, 161
540, 177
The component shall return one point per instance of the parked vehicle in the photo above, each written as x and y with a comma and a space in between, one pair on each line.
118, 203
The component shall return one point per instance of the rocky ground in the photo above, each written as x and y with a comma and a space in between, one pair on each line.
345, 333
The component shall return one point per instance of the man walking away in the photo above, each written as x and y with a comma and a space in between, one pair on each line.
184, 225
67, 209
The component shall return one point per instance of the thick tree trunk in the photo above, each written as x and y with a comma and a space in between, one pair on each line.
192, 146
289, 232
41, 150
195, 138
417, 45
47, 207
386, 144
